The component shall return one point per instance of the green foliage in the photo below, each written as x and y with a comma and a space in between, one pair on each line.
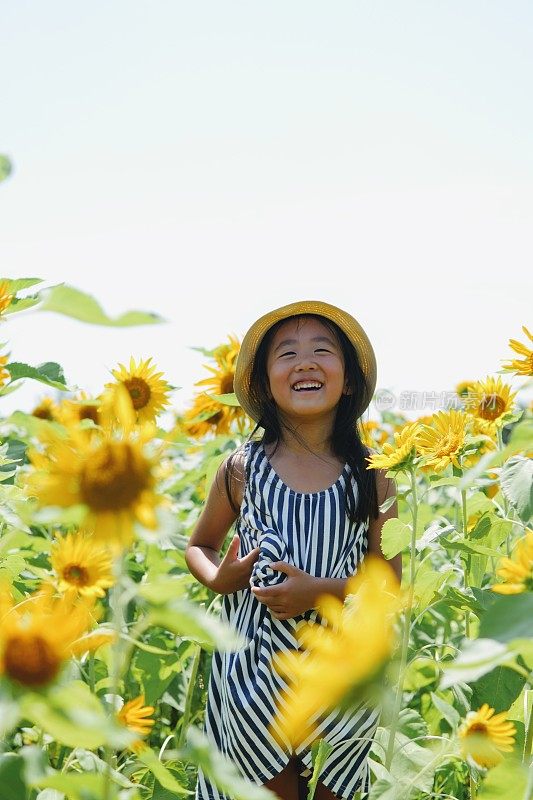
72, 302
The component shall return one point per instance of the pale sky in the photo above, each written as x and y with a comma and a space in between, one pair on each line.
211, 161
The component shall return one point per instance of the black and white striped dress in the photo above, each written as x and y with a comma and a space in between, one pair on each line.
312, 531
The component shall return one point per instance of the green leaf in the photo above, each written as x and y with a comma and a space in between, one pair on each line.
5, 168
76, 786
499, 688
11, 781
75, 717
466, 546
229, 399
17, 284
220, 770
411, 723
165, 587
507, 780
48, 373
320, 750
411, 763
516, 481
420, 672
72, 302
511, 617
187, 620
475, 659
395, 536
447, 711
522, 434
163, 775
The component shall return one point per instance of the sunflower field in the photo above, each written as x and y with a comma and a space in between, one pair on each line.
106, 638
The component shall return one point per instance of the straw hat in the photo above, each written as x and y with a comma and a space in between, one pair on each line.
252, 339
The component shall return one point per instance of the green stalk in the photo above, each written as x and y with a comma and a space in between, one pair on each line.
116, 651
406, 630
499, 436
468, 563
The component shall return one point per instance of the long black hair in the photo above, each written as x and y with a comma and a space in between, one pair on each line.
346, 441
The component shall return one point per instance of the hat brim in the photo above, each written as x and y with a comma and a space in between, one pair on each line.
254, 336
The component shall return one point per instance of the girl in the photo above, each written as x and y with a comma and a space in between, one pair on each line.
306, 511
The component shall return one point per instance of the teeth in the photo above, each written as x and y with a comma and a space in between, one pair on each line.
307, 385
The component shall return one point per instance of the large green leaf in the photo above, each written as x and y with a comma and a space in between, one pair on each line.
220, 770
11, 777
516, 482
499, 688
507, 780
72, 302
5, 168
395, 536
49, 373
475, 659
163, 775
78, 786
511, 617
75, 717
187, 620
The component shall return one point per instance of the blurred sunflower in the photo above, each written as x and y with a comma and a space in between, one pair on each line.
134, 715
463, 388
46, 409
485, 736
82, 565
41, 632
5, 297
373, 434
207, 414
490, 402
73, 411
441, 443
522, 366
148, 392
4, 373
399, 455
517, 571
340, 656
111, 476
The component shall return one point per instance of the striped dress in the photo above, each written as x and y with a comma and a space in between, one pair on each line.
312, 531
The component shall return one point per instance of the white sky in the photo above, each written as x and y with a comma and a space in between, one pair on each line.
213, 160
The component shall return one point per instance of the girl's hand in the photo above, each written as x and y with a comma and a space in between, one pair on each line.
292, 597
234, 573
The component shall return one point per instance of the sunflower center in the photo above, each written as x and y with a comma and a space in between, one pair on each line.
76, 574
89, 412
449, 443
43, 413
226, 383
30, 660
139, 390
114, 477
477, 727
492, 406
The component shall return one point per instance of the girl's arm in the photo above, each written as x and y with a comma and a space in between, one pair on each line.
230, 573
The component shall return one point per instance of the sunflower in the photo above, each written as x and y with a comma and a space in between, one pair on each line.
112, 477
133, 715
82, 565
41, 632
4, 373
46, 409
149, 394
490, 402
372, 433
399, 455
522, 366
441, 443
485, 736
74, 411
207, 414
517, 572
5, 297
463, 388
340, 656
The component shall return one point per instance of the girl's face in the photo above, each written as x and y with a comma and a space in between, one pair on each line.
305, 368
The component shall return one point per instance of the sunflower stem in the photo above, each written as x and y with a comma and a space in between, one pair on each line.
188, 699
397, 706
468, 560
116, 652
499, 436
473, 787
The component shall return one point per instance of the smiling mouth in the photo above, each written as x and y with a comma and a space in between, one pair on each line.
307, 386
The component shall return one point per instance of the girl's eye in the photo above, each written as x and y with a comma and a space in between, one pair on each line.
288, 353
322, 350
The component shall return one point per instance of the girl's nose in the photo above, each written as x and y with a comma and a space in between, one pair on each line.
306, 362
